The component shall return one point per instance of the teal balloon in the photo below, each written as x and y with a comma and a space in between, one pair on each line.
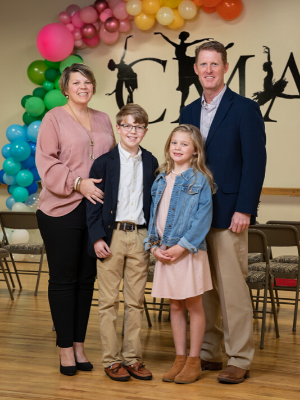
69, 61
35, 106
20, 150
11, 166
56, 83
11, 188
51, 64
20, 194
24, 178
28, 119
39, 92
51, 74
47, 85
54, 98
24, 99
36, 72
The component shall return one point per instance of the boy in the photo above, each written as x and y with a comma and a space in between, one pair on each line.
117, 230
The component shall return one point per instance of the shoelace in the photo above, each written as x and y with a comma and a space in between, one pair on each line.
116, 369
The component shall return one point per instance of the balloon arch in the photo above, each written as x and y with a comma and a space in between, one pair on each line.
57, 43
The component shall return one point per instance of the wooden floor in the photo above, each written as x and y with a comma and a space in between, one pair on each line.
29, 365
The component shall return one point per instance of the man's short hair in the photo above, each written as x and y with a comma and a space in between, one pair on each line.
137, 112
212, 46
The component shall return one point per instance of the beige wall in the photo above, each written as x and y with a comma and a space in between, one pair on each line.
264, 22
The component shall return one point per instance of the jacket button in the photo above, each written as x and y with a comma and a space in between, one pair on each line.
159, 192
108, 226
170, 226
176, 191
173, 208
111, 212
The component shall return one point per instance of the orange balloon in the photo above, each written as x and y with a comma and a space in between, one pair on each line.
229, 9
144, 21
211, 3
208, 10
178, 21
198, 2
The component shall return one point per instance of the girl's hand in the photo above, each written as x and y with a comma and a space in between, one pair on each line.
159, 254
90, 191
174, 252
101, 249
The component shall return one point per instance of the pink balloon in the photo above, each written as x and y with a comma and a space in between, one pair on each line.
64, 18
125, 25
83, 46
112, 24
88, 15
100, 5
88, 31
55, 42
76, 20
113, 3
72, 9
92, 42
119, 11
106, 14
107, 37
77, 34
97, 25
78, 43
70, 27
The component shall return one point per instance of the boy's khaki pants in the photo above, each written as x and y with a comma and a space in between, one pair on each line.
129, 261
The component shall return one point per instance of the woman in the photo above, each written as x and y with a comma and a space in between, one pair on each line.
70, 138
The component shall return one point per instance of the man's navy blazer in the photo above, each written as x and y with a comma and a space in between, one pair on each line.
101, 217
235, 153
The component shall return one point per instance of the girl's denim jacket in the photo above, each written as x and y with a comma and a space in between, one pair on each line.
190, 212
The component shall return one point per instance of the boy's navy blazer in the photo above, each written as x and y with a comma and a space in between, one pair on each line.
236, 154
101, 217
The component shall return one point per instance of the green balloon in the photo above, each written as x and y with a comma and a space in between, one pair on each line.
56, 83
36, 72
69, 61
51, 74
35, 106
54, 98
24, 178
47, 85
11, 166
51, 64
27, 119
24, 99
39, 92
79, 56
20, 194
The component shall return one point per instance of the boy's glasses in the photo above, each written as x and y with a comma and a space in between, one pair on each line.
128, 128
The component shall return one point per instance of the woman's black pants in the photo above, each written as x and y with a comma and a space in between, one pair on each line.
72, 273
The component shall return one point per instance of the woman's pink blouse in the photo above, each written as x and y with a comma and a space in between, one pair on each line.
63, 153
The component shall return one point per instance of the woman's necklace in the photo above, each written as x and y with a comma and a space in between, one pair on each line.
92, 156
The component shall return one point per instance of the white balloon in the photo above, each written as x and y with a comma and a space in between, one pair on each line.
8, 234
19, 257
20, 207
187, 9
20, 236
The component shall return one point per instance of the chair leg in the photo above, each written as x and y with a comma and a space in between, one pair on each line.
296, 305
274, 308
264, 312
39, 273
7, 281
16, 271
9, 273
147, 313
277, 298
257, 299
160, 309
252, 301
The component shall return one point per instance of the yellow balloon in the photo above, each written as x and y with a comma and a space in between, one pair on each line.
150, 6
161, 2
144, 21
187, 9
165, 15
172, 3
134, 7
178, 21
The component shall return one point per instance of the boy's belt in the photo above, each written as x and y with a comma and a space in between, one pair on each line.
126, 226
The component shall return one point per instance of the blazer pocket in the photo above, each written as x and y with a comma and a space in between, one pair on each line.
230, 187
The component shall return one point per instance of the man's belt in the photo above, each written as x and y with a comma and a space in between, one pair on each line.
127, 226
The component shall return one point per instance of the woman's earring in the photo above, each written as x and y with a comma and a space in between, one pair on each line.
67, 96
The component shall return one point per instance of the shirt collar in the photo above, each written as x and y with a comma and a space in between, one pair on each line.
127, 156
216, 100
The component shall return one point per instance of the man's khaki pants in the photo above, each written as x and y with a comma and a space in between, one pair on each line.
228, 257
130, 262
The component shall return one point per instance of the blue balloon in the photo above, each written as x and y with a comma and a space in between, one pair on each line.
20, 150
33, 130
16, 132
32, 188
9, 179
29, 163
33, 147
35, 174
1, 176
6, 151
10, 201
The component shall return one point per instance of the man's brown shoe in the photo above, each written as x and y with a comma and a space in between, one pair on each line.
232, 374
117, 372
138, 371
211, 365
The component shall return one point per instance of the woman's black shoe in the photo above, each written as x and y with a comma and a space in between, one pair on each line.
71, 370
85, 366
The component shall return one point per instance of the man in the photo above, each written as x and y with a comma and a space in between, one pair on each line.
233, 129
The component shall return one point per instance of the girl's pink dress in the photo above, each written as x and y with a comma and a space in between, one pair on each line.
189, 275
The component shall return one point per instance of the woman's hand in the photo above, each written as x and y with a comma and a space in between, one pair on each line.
90, 191
159, 254
174, 252
101, 249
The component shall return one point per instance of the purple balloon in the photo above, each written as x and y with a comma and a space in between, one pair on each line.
112, 25
100, 5
88, 31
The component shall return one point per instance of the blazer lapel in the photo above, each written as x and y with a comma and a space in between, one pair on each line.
196, 116
222, 110
114, 167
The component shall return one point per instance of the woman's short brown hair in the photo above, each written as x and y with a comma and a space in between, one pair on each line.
83, 70
213, 45
137, 112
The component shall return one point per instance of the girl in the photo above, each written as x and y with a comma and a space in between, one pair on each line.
181, 214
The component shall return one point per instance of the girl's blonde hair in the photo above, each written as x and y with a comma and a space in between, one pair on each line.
197, 161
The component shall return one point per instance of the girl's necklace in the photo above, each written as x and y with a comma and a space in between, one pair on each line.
92, 156
176, 173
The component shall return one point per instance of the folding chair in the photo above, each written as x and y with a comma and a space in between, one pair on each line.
22, 220
261, 279
3, 254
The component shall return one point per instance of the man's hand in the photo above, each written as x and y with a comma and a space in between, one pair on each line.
174, 252
239, 222
101, 249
